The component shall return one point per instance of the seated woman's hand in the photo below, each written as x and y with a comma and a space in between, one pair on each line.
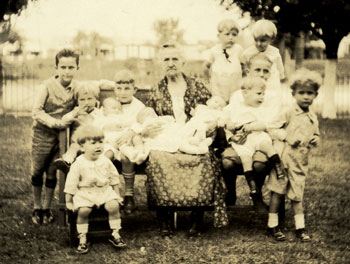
152, 130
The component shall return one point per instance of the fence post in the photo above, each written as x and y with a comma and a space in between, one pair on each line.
328, 109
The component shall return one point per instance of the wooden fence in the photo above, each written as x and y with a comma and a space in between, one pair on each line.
19, 86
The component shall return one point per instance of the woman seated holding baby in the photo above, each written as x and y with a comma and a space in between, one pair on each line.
188, 177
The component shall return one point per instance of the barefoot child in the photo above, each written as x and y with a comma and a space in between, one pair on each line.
301, 134
93, 181
53, 100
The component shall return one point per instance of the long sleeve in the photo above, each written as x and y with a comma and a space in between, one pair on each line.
38, 112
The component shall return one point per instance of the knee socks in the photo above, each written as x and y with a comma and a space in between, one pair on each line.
249, 176
129, 179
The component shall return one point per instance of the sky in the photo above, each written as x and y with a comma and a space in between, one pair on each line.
54, 22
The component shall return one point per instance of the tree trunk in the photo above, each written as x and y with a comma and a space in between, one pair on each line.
329, 109
299, 50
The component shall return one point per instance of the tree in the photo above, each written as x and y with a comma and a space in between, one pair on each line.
167, 29
326, 19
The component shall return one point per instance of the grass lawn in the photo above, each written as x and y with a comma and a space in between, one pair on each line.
327, 210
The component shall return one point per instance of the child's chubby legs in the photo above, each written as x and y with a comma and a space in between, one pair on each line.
135, 152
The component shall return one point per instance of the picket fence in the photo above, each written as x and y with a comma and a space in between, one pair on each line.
19, 89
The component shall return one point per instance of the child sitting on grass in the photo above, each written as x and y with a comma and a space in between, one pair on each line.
52, 102
85, 113
93, 181
245, 131
301, 134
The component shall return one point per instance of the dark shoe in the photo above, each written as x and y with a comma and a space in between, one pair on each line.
117, 242
83, 246
196, 223
37, 217
230, 198
302, 235
277, 233
47, 216
194, 231
62, 165
259, 206
165, 230
129, 204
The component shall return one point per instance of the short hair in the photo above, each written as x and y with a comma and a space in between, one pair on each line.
124, 77
88, 132
264, 27
228, 25
250, 82
66, 53
171, 45
143, 114
88, 87
261, 56
305, 77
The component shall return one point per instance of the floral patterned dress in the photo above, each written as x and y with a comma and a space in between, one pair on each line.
183, 180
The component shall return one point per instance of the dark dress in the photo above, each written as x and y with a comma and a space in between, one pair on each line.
181, 180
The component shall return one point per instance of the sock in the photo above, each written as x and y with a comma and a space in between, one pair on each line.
129, 179
274, 159
273, 220
115, 225
82, 228
249, 176
299, 221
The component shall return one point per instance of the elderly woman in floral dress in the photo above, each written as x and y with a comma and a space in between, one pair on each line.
178, 180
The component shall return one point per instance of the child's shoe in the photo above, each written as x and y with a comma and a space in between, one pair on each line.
129, 204
302, 235
117, 242
62, 165
37, 217
47, 216
277, 233
259, 206
83, 246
